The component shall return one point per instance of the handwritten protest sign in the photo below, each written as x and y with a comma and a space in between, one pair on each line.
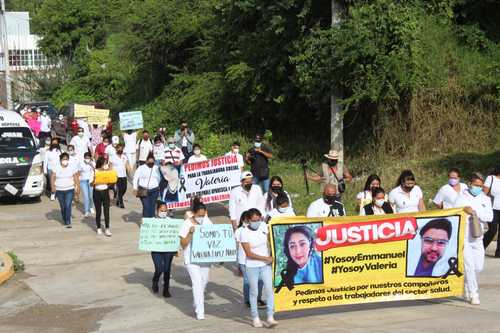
82, 111
159, 235
131, 120
368, 259
212, 180
98, 117
213, 243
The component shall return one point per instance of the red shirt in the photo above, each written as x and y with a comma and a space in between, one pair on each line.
100, 149
74, 127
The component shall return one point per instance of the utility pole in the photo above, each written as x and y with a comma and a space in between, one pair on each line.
5, 47
337, 123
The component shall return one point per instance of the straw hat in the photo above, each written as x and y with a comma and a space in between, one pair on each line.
332, 155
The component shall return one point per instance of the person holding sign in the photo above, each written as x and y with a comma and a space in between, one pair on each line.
255, 242
197, 272
104, 177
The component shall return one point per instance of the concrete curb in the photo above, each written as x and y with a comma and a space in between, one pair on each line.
7, 270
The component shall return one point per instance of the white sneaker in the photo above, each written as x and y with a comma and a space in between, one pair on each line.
86, 215
200, 316
474, 300
107, 232
270, 322
257, 323
92, 211
52, 197
99, 231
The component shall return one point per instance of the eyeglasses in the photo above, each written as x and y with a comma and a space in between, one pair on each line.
429, 241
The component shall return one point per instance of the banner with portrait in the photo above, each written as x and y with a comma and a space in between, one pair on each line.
212, 180
349, 260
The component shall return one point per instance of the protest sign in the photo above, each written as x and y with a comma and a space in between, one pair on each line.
213, 243
212, 180
363, 259
159, 235
98, 117
82, 111
131, 120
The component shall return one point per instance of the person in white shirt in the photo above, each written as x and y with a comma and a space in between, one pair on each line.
65, 183
147, 177
111, 149
45, 126
144, 147
274, 190
407, 197
199, 273
378, 205
74, 161
255, 242
448, 194
327, 206
492, 189
197, 155
173, 154
235, 151
86, 168
282, 208
130, 139
244, 197
51, 161
82, 123
477, 206
364, 197
81, 144
120, 164
158, 150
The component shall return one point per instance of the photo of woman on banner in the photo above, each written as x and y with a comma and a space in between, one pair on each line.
302, 264
171, 191
434, 250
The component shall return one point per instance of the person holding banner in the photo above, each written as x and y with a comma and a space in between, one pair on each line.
378, 205
407, 197
255, 242
235, 151
104, 177
199, 273
329, 205
479, 209
146, 185
244, 197
282, 208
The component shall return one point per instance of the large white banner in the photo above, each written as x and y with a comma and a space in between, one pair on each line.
211, 180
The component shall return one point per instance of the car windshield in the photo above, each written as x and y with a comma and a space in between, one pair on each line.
16, 138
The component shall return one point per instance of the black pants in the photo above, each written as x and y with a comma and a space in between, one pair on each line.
492, 231
42, 136
162, 262
121, 186
101, 201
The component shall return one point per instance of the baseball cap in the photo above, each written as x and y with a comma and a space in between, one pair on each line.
246, 174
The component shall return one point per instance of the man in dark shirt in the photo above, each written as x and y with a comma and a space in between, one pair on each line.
258, 157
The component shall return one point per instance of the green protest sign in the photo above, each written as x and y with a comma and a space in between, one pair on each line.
159, 235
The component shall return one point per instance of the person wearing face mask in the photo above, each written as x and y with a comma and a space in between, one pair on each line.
73, 160
50, 163
235, 151
162, 260
197, 155
364, 197
144, 148
274, 191
173, 154
65, 183
86, 169
327, 206
379, 204
492, 189
258, 158
45, 126
199, 273
448, 194
158, 150
184, 140
104, 177
478, 207
120, 165
244, 197
332, 172
100, 149
81, 144
83, 124
146, 185
255, 242
407, 197
282, 208
111, 148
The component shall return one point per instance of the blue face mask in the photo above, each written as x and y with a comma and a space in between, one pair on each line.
254, 225
257, 144
475, 190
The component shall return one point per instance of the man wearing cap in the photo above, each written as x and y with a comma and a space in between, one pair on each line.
258, 157
244, 197
331, 172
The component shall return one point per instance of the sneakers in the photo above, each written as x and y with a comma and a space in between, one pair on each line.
270, 322
92, 211
257, 323
107, 233
99, 231
86, 215
166, 293
261, 304
53, 197
200, 316
474, 300
68, 226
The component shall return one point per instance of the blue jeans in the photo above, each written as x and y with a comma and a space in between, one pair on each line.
87, 195
149, 203
264, 273
263, 183
246, 286
65, 198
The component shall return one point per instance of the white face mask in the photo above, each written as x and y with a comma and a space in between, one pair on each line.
61, 118
87, 160
236, 151
162, 215
199, 219
379, 202
64, 163
80, 134
171, 145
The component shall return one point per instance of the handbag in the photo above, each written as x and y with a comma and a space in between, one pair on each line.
476, 230
340, 182
142, 192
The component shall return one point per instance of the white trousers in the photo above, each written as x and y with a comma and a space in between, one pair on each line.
473, 264
199, 279
131, 158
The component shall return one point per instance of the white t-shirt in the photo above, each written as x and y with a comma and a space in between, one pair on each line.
64, 178
85, 126
319, 208
239, 158
184, 141
146, 177
184, 231
280, 212
45, 123
174, 156
119, 164
110, 151
258, 244
82, 145
86, 170
493, 183
130, 142
51, 160
159, 151
447, 195
404, 203
242, 257
241, 200
144, 147
194, 158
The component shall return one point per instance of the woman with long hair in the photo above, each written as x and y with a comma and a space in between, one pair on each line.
364, 197
276, 187
407, 196
104, 177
